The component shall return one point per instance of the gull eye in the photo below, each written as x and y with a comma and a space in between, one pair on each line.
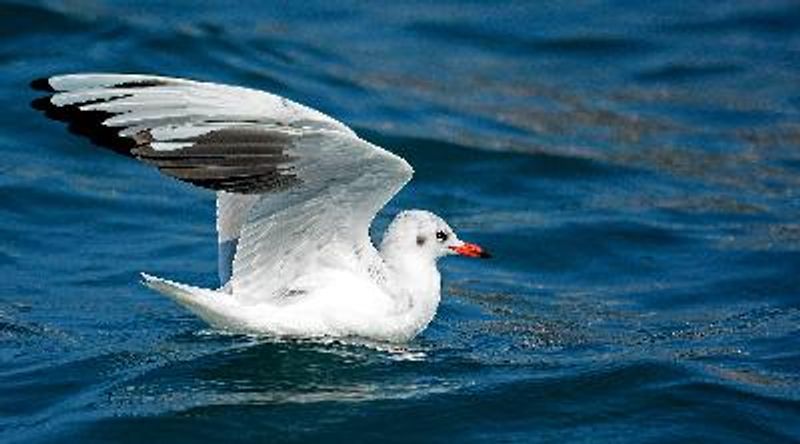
441, 236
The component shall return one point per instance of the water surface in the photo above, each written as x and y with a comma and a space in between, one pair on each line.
633, 167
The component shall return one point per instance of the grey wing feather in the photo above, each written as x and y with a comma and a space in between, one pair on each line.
291, 181
214, 136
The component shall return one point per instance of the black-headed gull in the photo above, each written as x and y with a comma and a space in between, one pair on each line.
296, 194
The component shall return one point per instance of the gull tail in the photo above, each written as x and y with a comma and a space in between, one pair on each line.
215, 307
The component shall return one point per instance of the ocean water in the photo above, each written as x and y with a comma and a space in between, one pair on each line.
633, 166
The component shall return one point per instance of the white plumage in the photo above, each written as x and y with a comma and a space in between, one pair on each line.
296, 194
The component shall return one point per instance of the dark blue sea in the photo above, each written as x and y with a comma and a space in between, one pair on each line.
633, 166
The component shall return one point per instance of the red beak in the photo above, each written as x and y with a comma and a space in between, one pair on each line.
471, 250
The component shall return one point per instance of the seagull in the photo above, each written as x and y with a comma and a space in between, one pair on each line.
296, 193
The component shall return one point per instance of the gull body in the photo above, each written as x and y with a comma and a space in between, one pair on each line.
337, 298
296, 194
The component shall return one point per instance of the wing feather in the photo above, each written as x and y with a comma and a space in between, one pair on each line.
296, 188
323, 222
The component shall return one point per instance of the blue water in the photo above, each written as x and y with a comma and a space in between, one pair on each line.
633, 166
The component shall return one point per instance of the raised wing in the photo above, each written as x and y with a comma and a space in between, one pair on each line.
184, 127
291, 181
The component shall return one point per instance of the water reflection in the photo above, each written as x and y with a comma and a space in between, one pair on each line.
258, 370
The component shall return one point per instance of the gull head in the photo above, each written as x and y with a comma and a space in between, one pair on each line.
424, 234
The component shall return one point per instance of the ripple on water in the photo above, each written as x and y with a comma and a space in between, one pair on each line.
633, 171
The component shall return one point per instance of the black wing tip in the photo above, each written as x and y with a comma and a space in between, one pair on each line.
82, 123
87, 124
42, 104
147, 83
42, 84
